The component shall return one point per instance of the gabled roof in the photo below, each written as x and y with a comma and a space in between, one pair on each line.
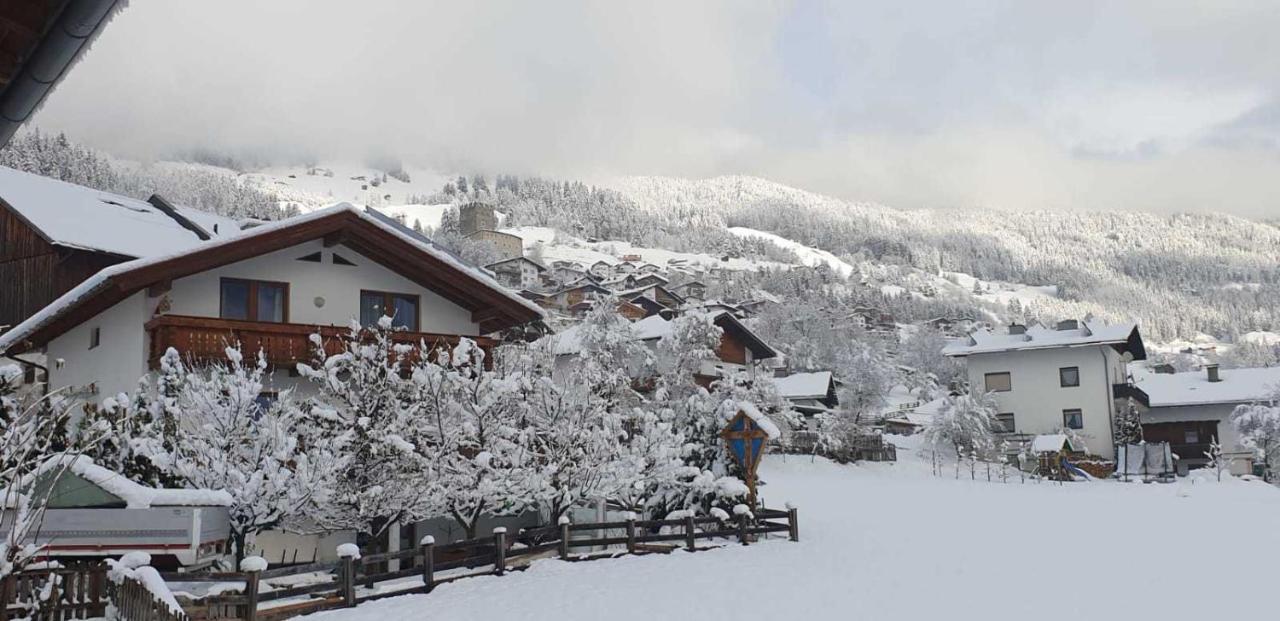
582, 283
639, 291
689, 283
649, 304
492, 306
1194, 388
814, 385
1052, 443
518, 259
1124, 337
656, 327
74, 216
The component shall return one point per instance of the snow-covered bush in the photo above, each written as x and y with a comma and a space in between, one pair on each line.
1259, 427
964, 424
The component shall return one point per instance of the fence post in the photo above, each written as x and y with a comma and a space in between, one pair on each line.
500, 550
347, 554
793, 523
742, 528
690, 536
631, 533
4, 597
428, 545
253, 567
564, 537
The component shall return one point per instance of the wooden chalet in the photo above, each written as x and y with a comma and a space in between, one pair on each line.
55, 235
268, 289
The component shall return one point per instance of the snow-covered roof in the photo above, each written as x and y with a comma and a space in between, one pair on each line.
801, 385
910, 418
103, 279
1194, 387
135, 495
1087, 333
656, 327
1051, 443
513, 259
921, 415
763, 422
75, 216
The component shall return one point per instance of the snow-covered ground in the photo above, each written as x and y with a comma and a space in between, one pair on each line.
809, 255
890, 541
564, 247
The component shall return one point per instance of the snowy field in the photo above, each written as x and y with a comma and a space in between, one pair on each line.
889, 541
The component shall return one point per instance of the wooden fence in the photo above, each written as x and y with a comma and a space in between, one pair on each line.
79, 593
351, 580
135, 602
55, 594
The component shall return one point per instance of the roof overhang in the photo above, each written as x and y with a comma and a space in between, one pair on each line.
492, 308
39, 41
730, 324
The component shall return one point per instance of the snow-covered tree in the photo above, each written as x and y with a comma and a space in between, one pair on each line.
368, 416
1251, 354
1218, 462
921, 352
230, 438
33, 444
10, 380
1259, 427
868, 376
964, 424
482, 461
709, 477
1128, 424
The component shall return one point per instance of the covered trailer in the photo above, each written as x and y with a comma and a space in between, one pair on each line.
93, 512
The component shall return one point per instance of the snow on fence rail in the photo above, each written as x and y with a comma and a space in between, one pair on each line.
357, 578
59, 593
82, 592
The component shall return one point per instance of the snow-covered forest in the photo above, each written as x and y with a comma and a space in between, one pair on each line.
212, 190
1178, 275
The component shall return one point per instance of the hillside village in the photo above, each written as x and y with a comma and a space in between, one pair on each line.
284, 320
482, 372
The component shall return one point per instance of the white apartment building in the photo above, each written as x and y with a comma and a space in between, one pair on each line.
1047, 379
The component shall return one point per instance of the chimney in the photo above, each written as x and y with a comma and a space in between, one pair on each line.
1212, 370
1017, 328
1068, 324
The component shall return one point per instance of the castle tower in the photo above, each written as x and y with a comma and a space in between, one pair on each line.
474, 217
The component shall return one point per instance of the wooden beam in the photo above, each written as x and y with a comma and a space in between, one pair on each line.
160, 288
482, 315
335, 238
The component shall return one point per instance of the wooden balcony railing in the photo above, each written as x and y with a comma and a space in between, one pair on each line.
283, 344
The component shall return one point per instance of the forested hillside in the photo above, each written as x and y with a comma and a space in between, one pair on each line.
211, 190
1178, 275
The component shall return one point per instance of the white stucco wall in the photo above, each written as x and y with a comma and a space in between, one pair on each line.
339, 285
121, 357
1037, 399
112, 367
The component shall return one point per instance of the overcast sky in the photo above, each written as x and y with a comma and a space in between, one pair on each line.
1018, 104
